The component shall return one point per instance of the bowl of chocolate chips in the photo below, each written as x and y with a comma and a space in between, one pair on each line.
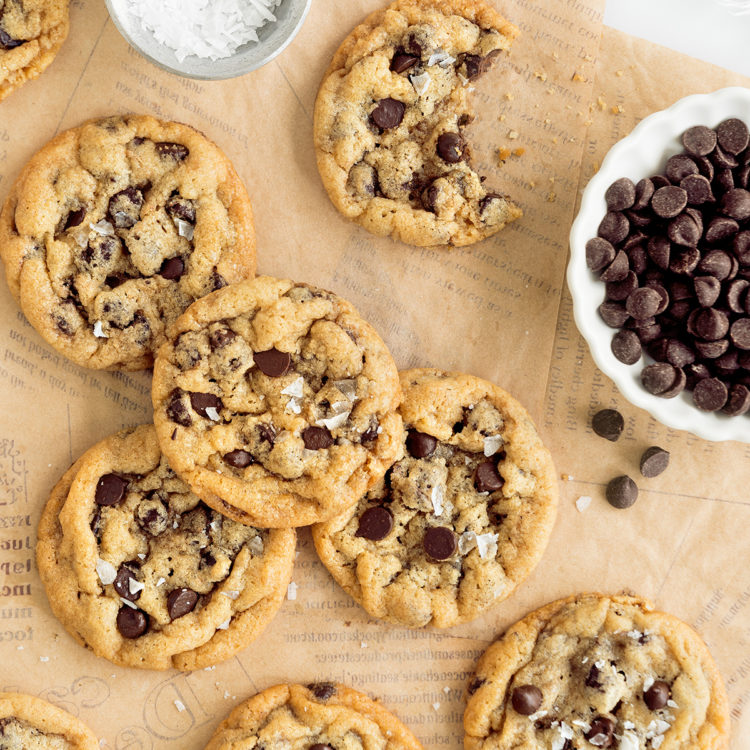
659, 269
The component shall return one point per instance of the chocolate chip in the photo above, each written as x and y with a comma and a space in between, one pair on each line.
217, 281
180, 602
181, 208
487, 478
622, 492
439, 542
618, 269
723, 159
613, 227
608, 423
620, 194
403, 60
202, 401
322, 690
172, 269
450, 147
272, 362
654, 461
75, 218
110, 490
626, 346
175, 151
657, 695
388, 113
124, 209
475, 65
678, 167
122, 582
221, 338
707, 290
684, 230
739, 333
644, 189
375, 523
238, 459
429, 197
678, 353
420, 444
710, 394
668, 201
643, 303
526, 699
602, 732
698, 189
319, 746
735, 203
317, 438
732, 135
267, 433
592, 678
474, 685
8, 42
699, 140
176, 410
738, 400
613, 314
659, 249
132, 623
658, 377
721, 228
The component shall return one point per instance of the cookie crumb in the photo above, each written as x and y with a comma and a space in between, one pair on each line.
578, 77
512, 135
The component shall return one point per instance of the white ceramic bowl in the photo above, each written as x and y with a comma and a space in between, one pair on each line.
273, 37
641, 154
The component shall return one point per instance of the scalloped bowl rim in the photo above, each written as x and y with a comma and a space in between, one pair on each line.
641, 154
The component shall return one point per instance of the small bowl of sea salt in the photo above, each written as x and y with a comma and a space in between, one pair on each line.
208, 39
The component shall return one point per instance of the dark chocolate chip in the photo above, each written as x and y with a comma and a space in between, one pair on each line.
711, 324
221, 337
322, 690
684, 230
239, 459
735, 203
680, 166
707, 290
654, 461
643, 303
403, 60
272, 362
723, 159
739, 333
720, 228
180, 602
176, 409
658, 377
608, 423
710, 394
668, 201
375, 523
217, 281
175, 151
618, 269
698, 189
592, 678
619, 291
388, 113
429, 197
474, 685
487, 478
658, 248
738, 400
620, 194
75, 218
602, 732
657, 695
8, 42
132, 623
678, 353
122, 582
420, 444
317, 438
319, 746
172, 268
202, 401
526, 699
613, 314
732, 135
110, 490
267, 432
622, 492
614, 227
678, 386
699, 140
450, 147
644, 189
626, 346
181, 208
439, 542
124, 209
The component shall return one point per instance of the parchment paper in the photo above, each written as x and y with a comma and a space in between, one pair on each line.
498, 310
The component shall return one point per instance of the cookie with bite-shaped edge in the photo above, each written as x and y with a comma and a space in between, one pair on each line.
317, 716
597, 671
143, 573
276, 402
390, 117
30, 723
460, 519
114, 227
31, 33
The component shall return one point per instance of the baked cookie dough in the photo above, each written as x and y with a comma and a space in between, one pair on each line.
596, 671
114, 228
390, 117
459, 520
139, 570
31, 33
276, 402
30, 723
319, 717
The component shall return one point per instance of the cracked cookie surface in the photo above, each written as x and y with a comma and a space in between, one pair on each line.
390, 117
114, 227
31, 33
595, 671
322, 715
462, 516
276, 402
30, 723
138, 569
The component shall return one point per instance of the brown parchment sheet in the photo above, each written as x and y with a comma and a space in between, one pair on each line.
498, 309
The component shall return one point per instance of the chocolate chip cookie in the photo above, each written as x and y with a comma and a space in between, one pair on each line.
276, 402
320, 717
597, 671
114, 228
139, 570
31, 33
459, 520
390, 121
30, 723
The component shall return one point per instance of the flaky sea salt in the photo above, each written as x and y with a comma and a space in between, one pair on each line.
106, 571
206, 28
492, 444
99, 331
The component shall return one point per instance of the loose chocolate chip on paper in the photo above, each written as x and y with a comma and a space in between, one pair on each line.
654, 461
388, 113
608, 423
622, 492
375, 523
110, 490
272, 362
132, 623
440, 543
526, 699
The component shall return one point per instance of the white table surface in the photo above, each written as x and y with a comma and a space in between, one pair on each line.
705, 29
